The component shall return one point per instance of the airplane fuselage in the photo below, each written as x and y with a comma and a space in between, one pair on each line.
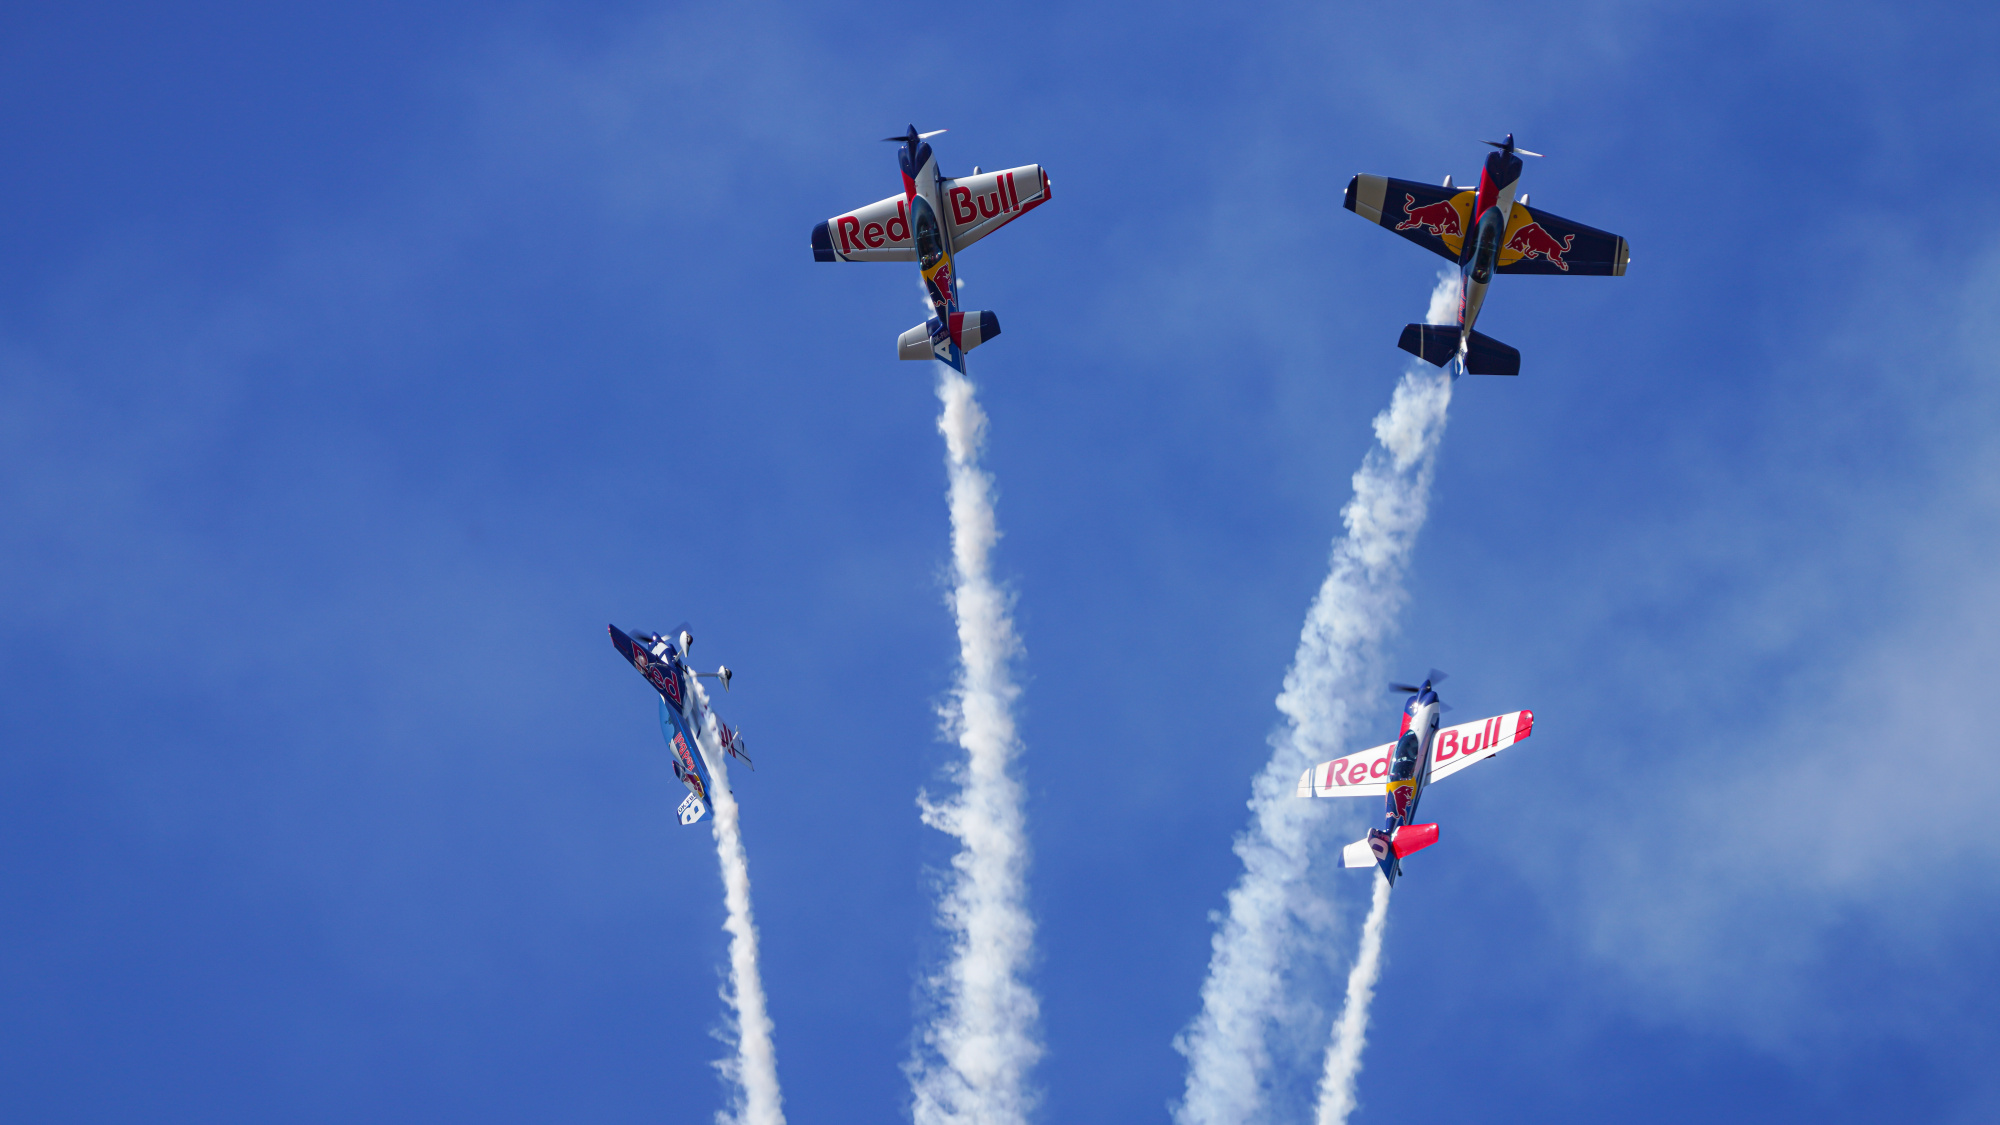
1480, 253
1409, 772
659, 662
924, 188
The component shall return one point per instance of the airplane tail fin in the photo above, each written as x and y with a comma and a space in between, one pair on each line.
1486, 356
1435, 344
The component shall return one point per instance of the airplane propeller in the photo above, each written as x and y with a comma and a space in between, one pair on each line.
1508, 146
912, 137
1432, 680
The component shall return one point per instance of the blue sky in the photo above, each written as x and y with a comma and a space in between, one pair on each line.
359, 363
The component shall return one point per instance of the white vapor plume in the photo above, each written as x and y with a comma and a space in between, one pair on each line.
754, 1070
1274, 912
971, 1064
1350, 1031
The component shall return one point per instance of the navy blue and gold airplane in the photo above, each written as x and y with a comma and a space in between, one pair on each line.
1508, 236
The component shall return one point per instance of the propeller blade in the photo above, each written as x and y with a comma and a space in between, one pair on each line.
932, 133
1407, 689
1436, 677
1443, 707
1525, 152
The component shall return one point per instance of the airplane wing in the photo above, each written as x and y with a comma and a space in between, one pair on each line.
1541, 242
1457, 747
1360, 774
1435, 218
976, 206
982, 204
879, 232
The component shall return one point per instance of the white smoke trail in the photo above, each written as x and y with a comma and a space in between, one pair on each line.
971, 1064
1273, 912
1343, 1057
754, 1070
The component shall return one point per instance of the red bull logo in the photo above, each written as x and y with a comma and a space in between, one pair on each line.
940, 283
1355, 771
1440, 218
965, 208
854, 236
1532, 241
663, 677
1402, 793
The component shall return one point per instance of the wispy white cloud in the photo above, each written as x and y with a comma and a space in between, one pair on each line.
1793, 749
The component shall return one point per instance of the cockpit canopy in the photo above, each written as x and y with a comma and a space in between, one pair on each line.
1403, 766
930, 237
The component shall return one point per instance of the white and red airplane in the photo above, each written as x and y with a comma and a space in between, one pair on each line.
928, 222
1402, 769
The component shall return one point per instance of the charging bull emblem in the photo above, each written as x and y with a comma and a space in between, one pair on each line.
1440, 218
1532, 241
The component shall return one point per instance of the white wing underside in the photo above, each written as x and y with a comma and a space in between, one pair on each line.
975, 206
1366, 772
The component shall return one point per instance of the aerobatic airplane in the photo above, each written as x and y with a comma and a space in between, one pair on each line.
1421, 755
1507, 236
662, 662
929, 222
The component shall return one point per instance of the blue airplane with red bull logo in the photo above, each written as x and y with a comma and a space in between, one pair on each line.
1506, 236
1402, 769
662, 661
934, 218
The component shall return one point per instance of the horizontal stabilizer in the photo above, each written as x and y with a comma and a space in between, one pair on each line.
1411, 838
1435, 344
927, 340
1357, 854
915, 344
1486, 356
